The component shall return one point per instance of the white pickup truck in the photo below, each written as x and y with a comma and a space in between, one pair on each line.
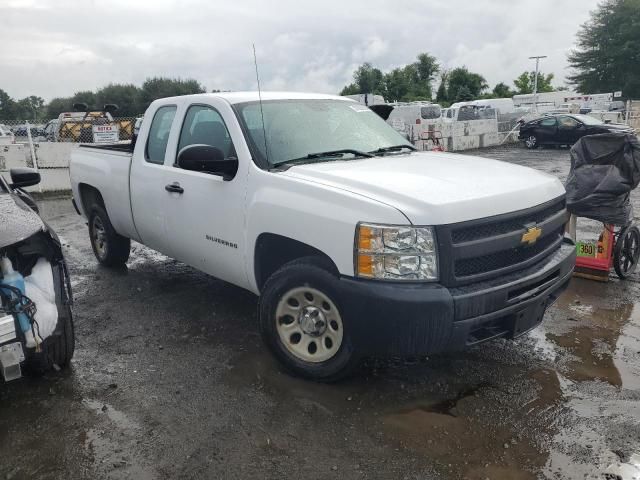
356, 244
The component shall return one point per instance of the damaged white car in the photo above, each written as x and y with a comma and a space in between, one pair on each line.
36, 324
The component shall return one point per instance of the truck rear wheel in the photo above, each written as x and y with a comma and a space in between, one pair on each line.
301, 321
110, 248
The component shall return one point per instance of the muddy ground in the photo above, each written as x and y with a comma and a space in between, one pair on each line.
170, 380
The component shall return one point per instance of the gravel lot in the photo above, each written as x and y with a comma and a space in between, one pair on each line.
170, 380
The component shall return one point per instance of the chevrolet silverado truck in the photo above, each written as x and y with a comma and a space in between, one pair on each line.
356, 244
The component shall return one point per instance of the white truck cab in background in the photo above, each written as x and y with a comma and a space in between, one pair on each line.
356, 244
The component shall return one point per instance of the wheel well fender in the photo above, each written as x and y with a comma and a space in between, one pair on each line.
272, 251
89, 195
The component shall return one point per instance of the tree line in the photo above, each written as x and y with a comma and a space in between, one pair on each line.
606, 59
415, 80
131, 99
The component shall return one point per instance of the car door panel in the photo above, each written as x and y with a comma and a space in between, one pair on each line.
546, 130
205, 221
569, 130
147, 180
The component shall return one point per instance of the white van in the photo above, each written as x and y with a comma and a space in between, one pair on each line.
404, 115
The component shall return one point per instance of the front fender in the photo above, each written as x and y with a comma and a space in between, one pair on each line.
321, 216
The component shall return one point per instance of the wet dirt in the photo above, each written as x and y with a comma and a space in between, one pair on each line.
171, 380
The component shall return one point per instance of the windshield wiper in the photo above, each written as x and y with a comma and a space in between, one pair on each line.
394, 148
328, 154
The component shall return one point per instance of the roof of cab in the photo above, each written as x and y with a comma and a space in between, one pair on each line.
240, 97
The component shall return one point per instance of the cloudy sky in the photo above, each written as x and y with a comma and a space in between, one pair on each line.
56, 47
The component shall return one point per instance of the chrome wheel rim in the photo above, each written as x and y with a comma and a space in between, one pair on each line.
309, 324
99, 237
531, 141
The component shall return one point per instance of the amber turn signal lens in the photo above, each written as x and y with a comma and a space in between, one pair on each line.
365, 238
365, 265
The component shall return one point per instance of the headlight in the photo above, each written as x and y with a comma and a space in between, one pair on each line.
396, 253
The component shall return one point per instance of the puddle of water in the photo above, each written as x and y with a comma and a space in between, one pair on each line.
627, 355
604, 342
453, 433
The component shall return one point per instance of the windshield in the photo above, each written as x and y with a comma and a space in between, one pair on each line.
297, 128
587, 120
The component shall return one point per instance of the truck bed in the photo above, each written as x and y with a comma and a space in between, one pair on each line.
106, 169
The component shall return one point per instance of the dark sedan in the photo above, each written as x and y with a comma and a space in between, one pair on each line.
565, 129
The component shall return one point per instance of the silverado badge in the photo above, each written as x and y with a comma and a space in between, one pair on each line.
531, 235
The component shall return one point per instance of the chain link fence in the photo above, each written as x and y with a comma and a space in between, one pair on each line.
76, 127
633, 114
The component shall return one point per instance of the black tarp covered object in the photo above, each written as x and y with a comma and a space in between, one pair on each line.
604, 170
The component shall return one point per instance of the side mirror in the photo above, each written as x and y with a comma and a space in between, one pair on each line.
207, 159
580, 125
24, 177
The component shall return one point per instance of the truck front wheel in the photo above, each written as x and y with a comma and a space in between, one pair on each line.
110, 248
301, 321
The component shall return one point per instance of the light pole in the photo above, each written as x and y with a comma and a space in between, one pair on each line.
535, 81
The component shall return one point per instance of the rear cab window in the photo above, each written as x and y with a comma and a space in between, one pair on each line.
156, 147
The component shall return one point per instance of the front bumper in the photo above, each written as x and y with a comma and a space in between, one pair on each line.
417, 319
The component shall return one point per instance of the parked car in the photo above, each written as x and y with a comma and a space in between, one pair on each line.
6, 136
565, 129
356, 244
36, 322
21, 131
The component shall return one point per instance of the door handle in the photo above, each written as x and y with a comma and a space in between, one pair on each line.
174, 188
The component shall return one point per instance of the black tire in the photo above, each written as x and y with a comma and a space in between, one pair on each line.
626, 252
110, 248
531, 142
56, 350
309, 272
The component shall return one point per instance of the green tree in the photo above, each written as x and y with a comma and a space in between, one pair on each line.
502, 90
58, 105
369, 79
474, 84
126, 97
30, 108
463, 94
7, 106
87, 97
426, 68
396, 85
411, 82
607, 57
351, 89
158, 87
524, 83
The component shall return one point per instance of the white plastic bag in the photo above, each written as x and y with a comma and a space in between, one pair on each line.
39, 288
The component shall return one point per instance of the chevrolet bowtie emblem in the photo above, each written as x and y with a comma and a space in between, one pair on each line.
531, 235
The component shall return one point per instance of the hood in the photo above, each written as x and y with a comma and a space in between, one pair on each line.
17, 219
434, 188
